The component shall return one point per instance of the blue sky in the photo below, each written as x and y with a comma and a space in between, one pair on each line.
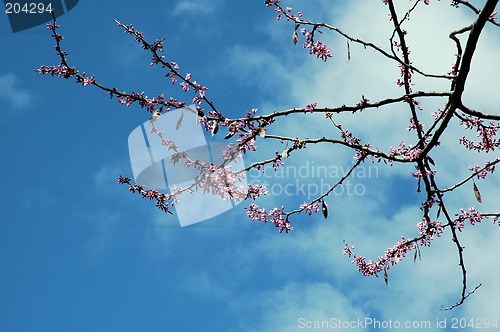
79, 253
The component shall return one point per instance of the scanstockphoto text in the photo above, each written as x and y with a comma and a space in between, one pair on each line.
311, 179
455, 323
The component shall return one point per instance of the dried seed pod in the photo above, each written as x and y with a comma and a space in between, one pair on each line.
155, 115
285, 153
386, 278
232, 130
295, 37
477, 194
215, 127
417, 251
348, 51
324, 209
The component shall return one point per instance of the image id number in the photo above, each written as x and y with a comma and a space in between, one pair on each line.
27, 8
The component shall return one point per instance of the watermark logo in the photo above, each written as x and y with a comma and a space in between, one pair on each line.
309, 179
24, 15
152, 168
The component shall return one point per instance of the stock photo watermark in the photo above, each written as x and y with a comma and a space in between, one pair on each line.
310, 179
152, 167
335, 323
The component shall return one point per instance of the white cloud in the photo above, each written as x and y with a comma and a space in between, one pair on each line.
296, 306
10, 91
197, 7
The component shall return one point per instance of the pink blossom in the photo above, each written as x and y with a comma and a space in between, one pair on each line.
409, 152
275, 216
162, 200
309, 208
437, 114
419, 175
271, 2
363, 102
316, 48
176, 157
200, 89
481, 173
486, 132
413, 126
471, 214
310, 107
184, 86
428, 229
391, 257
255, 191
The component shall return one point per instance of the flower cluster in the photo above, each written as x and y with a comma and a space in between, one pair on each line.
316, 48
61, 71
246, 129
285, 11
362, 153
277, 161
310, 107
414, 102
409, 152
470, 214
347, 136
482, 172
391, 257
217, 180
162, 200
275, 216
298, 144
269, 3
485, 132
170, 145
413, 126
428, 229
362, 103
255, 191
178, 156
84, 80
406, 74
221, 181
309, 208
436, 115
419, 174
493, 16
